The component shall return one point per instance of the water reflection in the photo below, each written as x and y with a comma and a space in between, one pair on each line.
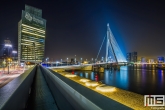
124, 79
142, 79
86, 75
92, 76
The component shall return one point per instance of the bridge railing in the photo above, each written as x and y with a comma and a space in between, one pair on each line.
78, 101
14, 95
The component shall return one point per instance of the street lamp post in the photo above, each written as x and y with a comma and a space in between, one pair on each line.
67, 61
61, 62
81, 60
103, 59
14, 52
75, 59
95, 60
47, 59
8, 64
4, 65
8, 67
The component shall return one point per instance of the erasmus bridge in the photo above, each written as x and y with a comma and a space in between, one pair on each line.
113, 53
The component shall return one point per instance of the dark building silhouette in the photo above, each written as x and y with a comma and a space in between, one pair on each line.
132, 57
7, 49
128, 57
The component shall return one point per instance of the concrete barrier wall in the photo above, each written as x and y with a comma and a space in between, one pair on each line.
14, 95
76, 100
82, 97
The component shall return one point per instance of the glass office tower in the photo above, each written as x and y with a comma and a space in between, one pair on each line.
31, 35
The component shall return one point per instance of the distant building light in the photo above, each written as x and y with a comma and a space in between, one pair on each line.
14, 51
8, 45
57, 62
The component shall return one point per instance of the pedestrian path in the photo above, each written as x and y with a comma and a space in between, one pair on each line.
41, 97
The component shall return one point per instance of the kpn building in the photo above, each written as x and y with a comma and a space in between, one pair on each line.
31, 35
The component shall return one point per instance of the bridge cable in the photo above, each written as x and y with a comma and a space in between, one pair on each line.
100, 47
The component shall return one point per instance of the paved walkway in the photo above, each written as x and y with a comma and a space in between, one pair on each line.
41, 97
5, 78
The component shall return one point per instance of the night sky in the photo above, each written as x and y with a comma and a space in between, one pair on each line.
77, 27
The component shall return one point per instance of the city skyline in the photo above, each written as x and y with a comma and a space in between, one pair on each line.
78, 28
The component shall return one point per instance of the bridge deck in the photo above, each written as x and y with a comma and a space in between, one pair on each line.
41, 97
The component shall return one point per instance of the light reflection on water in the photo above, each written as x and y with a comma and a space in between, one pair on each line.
137, 79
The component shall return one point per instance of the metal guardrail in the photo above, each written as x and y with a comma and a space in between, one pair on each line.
14, 95
77, 100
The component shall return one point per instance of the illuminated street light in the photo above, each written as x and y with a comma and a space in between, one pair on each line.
67, 61
108, 59
103, 59
75, 59
9, 60
14, 52
56, 63
47, 59
81, 60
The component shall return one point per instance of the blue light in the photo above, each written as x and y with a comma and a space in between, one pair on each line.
113, 48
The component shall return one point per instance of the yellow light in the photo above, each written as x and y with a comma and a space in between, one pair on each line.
92, 83
32, 33
28, 40
84, 80
25, 44
32, 27
70, 75
27, 29
9, 59
105, 88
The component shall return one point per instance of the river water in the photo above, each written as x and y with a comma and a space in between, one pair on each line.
139, 79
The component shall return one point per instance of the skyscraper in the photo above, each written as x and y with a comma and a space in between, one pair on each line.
31, 35
132, 57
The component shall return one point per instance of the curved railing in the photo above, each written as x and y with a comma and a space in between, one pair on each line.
14, 95
77, 100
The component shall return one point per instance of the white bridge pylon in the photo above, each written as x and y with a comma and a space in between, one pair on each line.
113, 51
